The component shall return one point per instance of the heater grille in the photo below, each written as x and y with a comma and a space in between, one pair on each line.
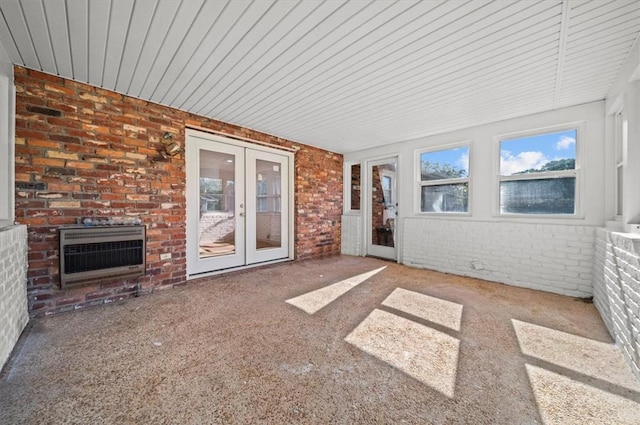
100, 253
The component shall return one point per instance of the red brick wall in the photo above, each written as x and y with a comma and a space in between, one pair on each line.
82, 151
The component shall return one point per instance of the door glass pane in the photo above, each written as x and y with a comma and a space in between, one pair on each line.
217, 227
268, 204
383, 208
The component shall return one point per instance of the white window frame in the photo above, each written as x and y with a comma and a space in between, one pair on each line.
422, 183
347, 187
576, 172
7, 151
621, 130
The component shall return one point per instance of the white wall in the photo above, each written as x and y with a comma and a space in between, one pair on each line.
508, 236
616, 287
351, 235
13, 239
546, 257
625, 93
616, 263
13, 288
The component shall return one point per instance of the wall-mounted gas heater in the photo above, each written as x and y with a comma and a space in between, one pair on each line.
91, 254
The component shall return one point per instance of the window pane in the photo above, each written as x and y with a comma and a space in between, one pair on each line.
539, 153
445, 198
355, 187
445, 164
620, 190
544, 196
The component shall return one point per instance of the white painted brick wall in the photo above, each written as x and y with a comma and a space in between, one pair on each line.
616, 288
600, 276
351, 235
13, 287
553, 258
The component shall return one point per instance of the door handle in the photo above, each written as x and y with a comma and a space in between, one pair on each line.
241, 214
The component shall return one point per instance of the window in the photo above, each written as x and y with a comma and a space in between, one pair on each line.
621, 131
355, 187
262, 196
538, 174
211, 195
444, 180
352, 188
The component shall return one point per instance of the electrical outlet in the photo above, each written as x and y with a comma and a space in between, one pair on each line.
477, 265
634, 228
165, 256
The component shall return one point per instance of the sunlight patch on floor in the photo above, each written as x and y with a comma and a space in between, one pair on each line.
583, 355
563, 401
316, 300
433, 309
423, 353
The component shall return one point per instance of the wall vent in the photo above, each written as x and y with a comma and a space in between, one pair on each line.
90, 254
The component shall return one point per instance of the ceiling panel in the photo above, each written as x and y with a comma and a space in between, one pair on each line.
236, 32
163, 16
198, 50
15, 19
342, 75
39, 33
120, 21
263, 52
79, 36
139, 26
89, 35
173, 43
56, 11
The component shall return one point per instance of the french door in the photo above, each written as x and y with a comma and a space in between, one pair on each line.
238, 204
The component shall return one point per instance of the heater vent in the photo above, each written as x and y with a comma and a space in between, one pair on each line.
89, 254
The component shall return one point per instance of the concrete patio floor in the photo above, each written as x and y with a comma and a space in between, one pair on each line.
381, 343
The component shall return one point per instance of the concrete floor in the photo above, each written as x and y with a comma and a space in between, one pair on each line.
396, 345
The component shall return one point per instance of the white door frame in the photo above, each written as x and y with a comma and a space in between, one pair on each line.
255, 255
196, 264
391, 253
193, 140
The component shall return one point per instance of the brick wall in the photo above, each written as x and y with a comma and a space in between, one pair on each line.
82, 151
13, 292
603, 255
552, 258
616, 289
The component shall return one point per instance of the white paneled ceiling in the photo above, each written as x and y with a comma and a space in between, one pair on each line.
342, 75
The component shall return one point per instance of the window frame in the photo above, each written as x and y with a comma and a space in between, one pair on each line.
347, 189
621, 134
576, 173
442, 182
7, 150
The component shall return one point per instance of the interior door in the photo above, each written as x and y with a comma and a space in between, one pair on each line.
382, 208
215, 207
